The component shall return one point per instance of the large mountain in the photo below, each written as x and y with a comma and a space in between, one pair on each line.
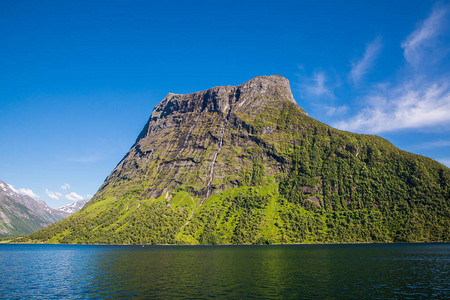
245, 164
21, 214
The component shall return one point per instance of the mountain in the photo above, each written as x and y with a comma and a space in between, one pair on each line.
245, 164
21, 214
72, 208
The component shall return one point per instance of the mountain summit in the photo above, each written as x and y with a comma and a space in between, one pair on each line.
249, 97
245, 164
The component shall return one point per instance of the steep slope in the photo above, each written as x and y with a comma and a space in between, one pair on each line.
245, 164
21, 214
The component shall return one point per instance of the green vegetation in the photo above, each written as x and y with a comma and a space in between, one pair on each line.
17, 219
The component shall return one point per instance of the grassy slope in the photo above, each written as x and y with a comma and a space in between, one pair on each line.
333, 186
23, 220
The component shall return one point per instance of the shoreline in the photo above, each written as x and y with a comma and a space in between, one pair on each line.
239, 245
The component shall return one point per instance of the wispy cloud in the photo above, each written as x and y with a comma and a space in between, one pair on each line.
317, 85
405, 107
362, 66
53, 195
28, 192
335, 110
88, 196
417, 100
86, 158
434, 144
74, 197
65, 186
424, 38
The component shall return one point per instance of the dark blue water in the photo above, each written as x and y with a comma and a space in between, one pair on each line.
302, 271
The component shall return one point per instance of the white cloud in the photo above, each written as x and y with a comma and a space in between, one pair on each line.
28, 192
418, 99
424, 38
12, 188
335, 110
88, 196
407, 106
65, 186
23, 191
74, 197
361, 67
317, 85
53, 195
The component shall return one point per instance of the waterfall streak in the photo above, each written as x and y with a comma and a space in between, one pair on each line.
211, 175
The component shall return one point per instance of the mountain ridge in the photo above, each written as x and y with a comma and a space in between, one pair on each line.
219, 99
21, 214
72, 208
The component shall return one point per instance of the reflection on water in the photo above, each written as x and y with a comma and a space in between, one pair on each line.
303, 271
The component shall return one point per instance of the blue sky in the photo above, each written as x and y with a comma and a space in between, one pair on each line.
79, 79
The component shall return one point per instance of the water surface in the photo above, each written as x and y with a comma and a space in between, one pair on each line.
297, 271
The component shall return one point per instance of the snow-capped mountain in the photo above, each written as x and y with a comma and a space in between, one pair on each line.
72, 208
21, 214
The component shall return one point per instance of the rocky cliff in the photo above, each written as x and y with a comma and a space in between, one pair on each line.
181, 142
245, 164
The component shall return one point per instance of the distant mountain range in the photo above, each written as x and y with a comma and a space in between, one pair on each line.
21, 214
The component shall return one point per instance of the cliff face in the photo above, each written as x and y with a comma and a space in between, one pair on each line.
245, 164
180, 144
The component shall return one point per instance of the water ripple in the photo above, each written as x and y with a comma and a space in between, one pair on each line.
302, 271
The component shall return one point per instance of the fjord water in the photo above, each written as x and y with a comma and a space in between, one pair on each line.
296, 271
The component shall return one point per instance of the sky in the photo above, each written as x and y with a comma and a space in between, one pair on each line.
79, 79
